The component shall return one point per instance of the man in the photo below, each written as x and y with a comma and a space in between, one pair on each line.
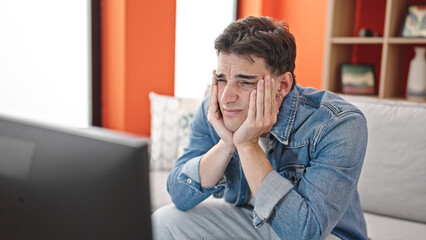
286, 159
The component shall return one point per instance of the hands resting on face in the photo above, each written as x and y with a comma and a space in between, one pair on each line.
261, 116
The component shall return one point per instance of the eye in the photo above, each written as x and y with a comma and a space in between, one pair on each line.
220, 80
245, 83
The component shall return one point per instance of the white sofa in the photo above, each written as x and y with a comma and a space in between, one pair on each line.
392, 186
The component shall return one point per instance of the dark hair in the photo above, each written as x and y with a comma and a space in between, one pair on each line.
262, 37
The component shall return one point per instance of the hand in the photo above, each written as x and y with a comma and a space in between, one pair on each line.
214, 115
262, 114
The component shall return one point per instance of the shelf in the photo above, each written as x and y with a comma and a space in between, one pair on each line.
376, 97
390, 54
400, 40
376, 40
357, 40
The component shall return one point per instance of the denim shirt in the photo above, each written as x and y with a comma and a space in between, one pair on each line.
317, 149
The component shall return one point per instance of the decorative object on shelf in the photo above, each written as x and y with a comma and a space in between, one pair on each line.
416, 84
415, 21
365, 32
357, 79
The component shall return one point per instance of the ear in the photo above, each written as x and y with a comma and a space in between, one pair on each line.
285, 82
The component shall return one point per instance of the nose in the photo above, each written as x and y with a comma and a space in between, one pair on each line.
229, 94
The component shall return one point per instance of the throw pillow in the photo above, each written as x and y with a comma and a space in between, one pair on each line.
164, 131
170, 127
187, 109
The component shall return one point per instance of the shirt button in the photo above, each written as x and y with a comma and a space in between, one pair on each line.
189, 181
215, 187
219, 194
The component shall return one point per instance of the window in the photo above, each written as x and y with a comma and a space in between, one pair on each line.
45, 61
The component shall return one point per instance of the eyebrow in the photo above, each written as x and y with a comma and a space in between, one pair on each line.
219, 75
248, 77
243, 76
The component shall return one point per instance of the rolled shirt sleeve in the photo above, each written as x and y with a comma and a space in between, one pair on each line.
191, 177
273, 188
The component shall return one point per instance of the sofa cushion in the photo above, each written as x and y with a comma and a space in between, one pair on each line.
393, 178
158, 190
385, 228
164, 131
170, 127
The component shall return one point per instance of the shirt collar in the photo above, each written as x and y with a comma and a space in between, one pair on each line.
286, 116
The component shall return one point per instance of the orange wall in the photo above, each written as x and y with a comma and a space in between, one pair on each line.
137, 57
138, 52
307, 21
113, 64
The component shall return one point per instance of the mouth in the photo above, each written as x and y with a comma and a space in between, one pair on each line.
231, 112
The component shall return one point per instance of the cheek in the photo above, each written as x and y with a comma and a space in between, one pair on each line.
219, 93
246, 97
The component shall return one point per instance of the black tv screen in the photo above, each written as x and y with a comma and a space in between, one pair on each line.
62, 183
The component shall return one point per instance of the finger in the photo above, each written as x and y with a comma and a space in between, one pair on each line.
251, 115
274, 98
259, 99
268, 96
214, 82
213, 100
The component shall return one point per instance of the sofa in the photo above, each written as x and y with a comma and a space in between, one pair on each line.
392, 185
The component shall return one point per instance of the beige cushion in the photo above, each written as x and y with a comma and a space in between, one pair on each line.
393, 178
386, 228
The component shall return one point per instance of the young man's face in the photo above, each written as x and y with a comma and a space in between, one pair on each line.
237, 77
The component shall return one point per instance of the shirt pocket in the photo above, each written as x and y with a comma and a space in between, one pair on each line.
292, 172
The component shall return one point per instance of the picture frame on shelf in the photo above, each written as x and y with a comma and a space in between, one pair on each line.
358, 79
415, 21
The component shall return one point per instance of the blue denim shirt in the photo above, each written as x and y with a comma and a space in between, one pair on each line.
317, 150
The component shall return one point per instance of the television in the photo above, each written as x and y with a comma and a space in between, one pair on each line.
65, 183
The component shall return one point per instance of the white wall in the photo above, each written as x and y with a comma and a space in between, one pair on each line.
198, 24
44, 60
